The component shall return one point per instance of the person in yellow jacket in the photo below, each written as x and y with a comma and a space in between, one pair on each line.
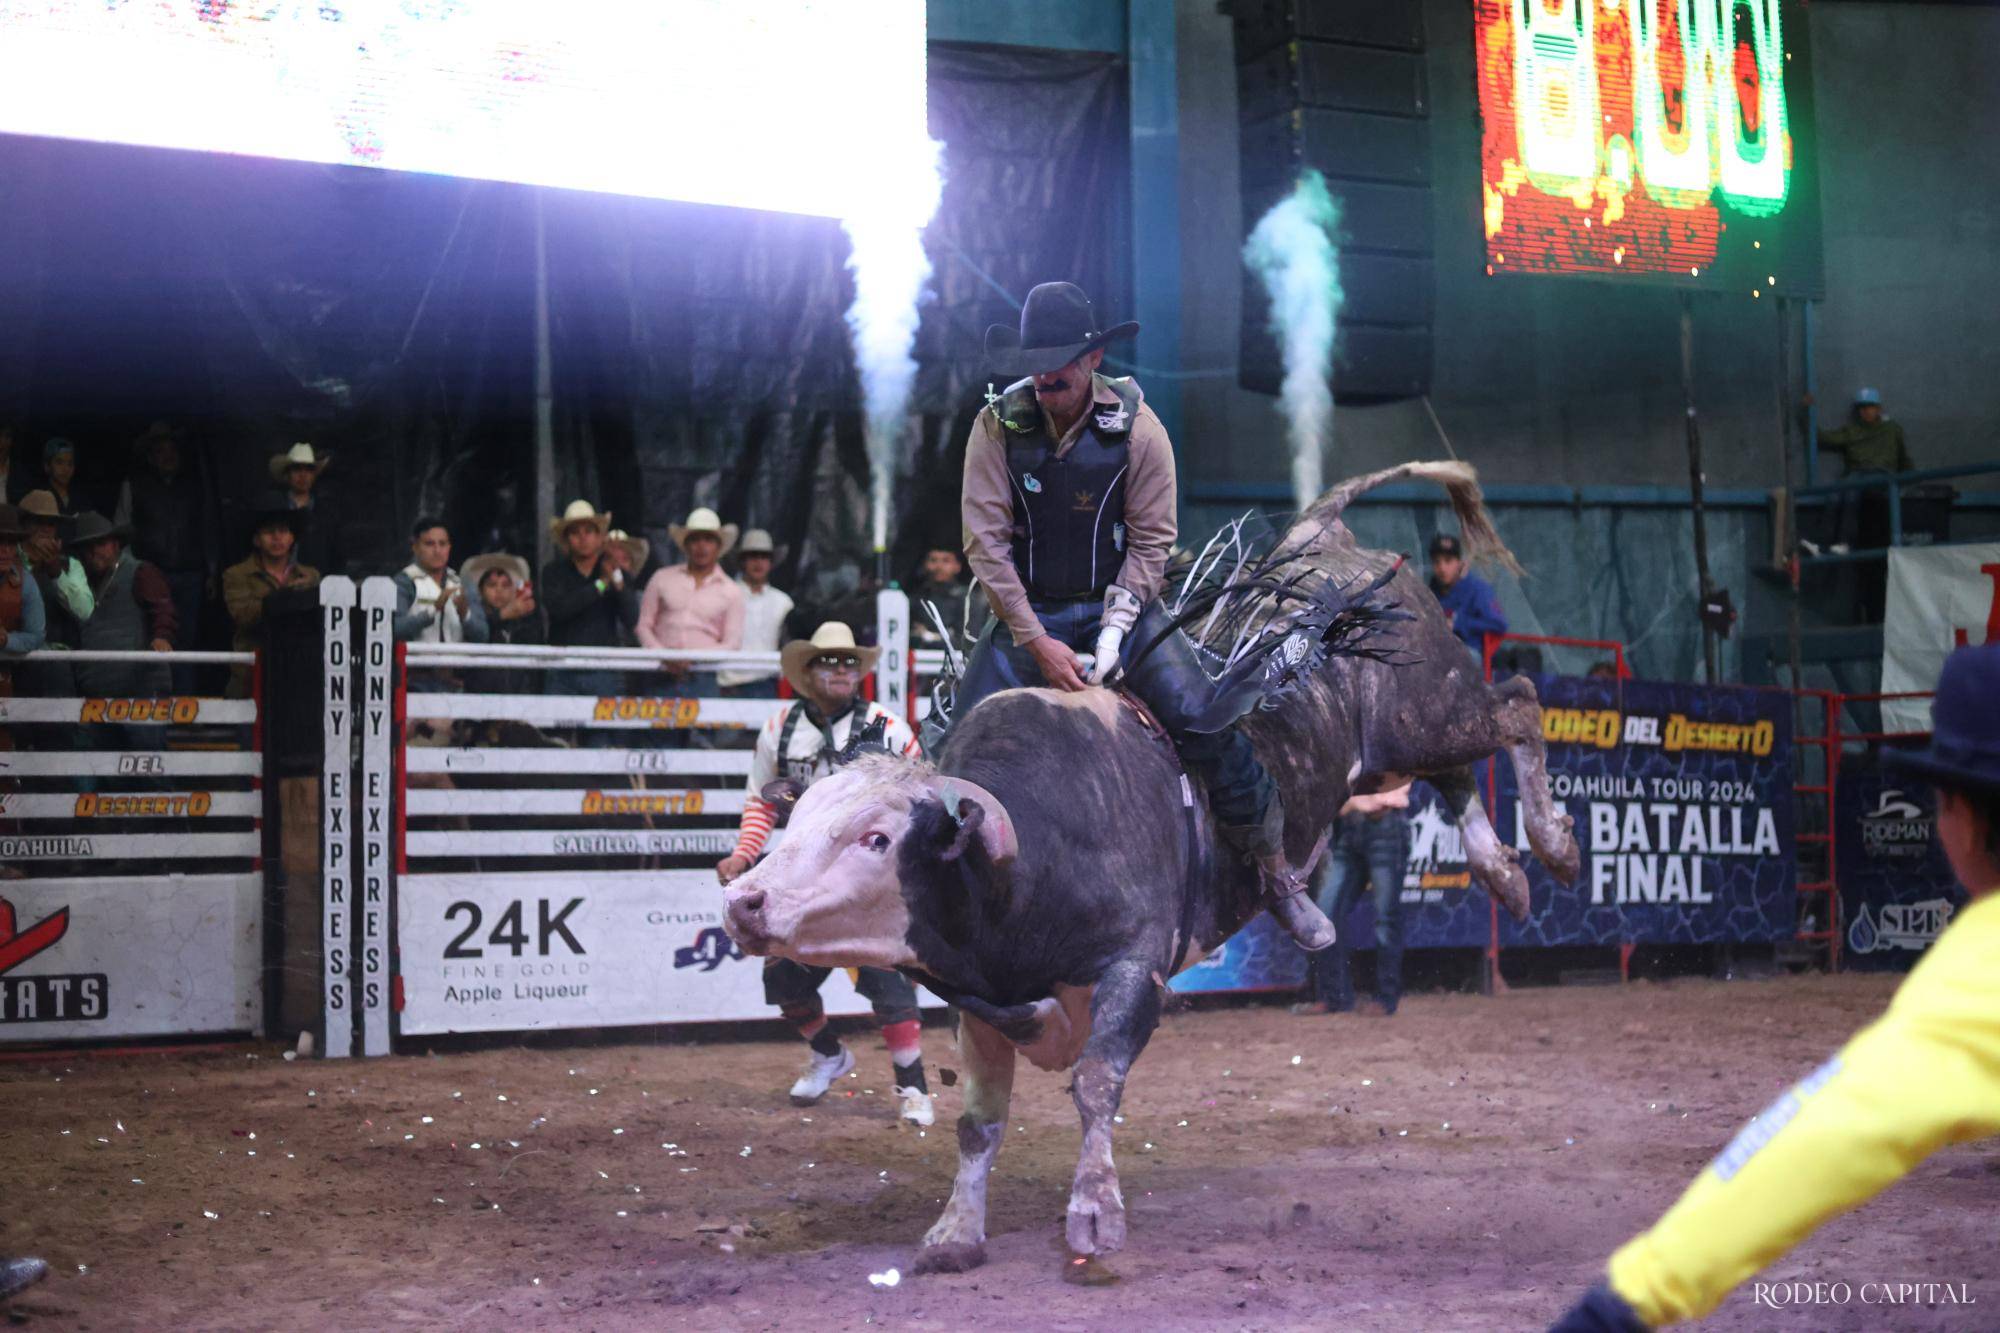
1923, 1076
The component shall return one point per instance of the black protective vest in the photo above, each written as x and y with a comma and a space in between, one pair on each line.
1069, 512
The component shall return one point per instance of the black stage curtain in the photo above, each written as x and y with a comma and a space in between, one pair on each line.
699, 353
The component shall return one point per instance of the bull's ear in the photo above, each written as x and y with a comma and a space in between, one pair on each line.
781, 796
977, 811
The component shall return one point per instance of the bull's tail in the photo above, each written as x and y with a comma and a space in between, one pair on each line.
1460, 481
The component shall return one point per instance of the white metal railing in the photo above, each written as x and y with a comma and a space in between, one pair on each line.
139, 931
603, 788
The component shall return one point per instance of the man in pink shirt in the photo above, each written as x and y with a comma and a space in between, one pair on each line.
694, 605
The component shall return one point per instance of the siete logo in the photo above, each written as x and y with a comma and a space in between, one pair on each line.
46, 998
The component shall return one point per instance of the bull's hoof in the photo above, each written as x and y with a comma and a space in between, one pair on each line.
950, 1257
1095, 1225
1558, 852
1567, 862
1511, 888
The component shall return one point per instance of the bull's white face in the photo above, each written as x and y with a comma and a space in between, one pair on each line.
830, 895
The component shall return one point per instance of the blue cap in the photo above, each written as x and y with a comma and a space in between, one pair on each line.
1868, 397
1965, 726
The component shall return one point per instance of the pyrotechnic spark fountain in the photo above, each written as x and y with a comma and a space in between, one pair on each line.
890, 269
1292, 251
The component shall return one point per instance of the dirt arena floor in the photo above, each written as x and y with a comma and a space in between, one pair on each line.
1467, 1164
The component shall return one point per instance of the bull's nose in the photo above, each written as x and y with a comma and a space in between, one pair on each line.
743, 917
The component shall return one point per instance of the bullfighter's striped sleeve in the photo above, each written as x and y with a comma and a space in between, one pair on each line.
1924, 1075
753, 830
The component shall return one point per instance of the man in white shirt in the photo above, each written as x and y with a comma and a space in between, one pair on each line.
431, 601
828, 725
764, 612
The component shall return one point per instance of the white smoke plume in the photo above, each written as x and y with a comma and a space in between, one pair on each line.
1292, 250
890, 269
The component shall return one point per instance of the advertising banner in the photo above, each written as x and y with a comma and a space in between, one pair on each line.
82, 959
1682, 797
1939, 598
1682, 802
521, 952
1897, 891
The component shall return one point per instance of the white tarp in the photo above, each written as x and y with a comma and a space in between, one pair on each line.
514, 952
1939, 597
130, 957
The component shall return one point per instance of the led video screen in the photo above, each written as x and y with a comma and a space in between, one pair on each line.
768, 104
1668, 140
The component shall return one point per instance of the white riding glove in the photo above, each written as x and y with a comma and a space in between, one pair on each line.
1121, 612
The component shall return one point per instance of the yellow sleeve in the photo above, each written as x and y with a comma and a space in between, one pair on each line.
1925, 1075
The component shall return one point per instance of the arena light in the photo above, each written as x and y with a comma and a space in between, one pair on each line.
777, 104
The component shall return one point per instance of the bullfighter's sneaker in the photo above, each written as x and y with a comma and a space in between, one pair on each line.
917, 1107
820, 1073
17, 1275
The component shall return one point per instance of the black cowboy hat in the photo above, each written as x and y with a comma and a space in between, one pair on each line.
92, 526
266, 511
1057, 327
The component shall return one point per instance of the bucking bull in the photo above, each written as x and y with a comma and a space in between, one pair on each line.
1049, 872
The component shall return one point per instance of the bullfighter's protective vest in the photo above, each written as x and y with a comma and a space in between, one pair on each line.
1069, 512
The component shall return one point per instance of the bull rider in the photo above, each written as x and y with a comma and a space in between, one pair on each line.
827, 724
1069, 513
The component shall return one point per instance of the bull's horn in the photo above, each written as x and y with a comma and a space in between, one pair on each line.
996, 828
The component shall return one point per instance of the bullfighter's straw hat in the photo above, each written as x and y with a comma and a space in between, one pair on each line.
833, 637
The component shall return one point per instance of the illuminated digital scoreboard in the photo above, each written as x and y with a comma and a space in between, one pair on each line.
1669, 140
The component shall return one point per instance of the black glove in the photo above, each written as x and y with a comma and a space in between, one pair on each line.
1601, 1310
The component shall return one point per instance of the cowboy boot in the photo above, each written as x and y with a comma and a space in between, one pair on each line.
1287, 889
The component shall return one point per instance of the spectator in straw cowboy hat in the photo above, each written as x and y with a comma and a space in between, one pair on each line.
694, 604
829, 724
297, 472
272, 565
589, 601
764, 610
505, 605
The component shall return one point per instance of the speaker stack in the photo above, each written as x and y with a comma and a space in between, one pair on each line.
1340, 86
